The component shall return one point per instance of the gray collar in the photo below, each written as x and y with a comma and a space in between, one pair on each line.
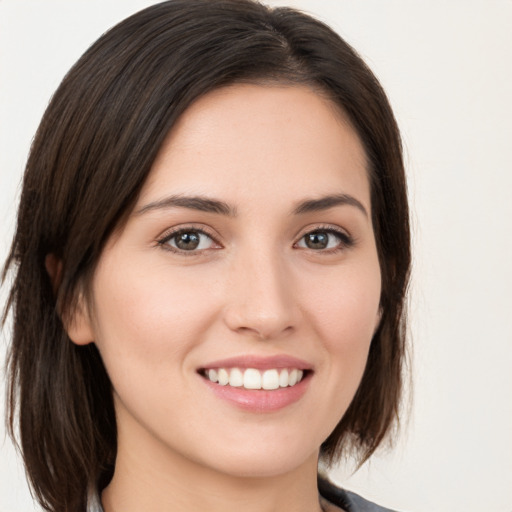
93, 501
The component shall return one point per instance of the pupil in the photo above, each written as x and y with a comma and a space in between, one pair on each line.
187, 241
317, 240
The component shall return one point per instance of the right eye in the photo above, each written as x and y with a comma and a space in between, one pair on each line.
187, 240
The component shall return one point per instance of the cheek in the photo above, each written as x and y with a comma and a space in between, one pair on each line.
147, 324
345, 306
344, 311
152, 316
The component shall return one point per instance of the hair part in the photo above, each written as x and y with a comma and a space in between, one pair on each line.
90, 157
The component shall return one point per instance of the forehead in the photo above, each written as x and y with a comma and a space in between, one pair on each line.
246, 142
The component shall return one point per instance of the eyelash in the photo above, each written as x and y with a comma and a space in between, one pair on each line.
345, 240
168, 236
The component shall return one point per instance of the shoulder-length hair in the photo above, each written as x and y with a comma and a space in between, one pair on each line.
90, 157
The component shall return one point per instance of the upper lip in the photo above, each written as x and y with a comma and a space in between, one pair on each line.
260, 362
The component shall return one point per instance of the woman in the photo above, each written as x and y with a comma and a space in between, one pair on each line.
210, 265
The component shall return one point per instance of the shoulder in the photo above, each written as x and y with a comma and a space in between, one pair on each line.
346, 500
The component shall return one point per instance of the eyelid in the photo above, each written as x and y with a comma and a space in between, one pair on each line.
176, 230
346, 239
335, 228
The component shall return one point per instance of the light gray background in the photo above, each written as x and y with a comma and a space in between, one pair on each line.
447, 67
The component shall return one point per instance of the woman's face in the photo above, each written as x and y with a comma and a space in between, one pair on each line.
249, 259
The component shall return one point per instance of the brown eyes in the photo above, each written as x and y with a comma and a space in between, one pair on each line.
189, 240
324, 239
195, 240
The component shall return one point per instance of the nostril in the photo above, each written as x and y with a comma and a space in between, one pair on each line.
266, 331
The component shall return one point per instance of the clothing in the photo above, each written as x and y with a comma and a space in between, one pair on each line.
94, 503
346, 500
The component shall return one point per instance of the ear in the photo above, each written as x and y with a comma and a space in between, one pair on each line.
54, 268
77, 323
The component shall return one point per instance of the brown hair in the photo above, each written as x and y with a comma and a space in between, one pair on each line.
90, 157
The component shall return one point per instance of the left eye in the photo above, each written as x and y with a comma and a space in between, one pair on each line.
321, 240
189, 240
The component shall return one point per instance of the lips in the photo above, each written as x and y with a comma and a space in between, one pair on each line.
258, 384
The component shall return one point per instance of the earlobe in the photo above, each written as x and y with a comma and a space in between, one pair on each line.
77, 323
79, 327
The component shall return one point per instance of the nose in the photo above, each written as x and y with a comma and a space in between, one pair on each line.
261, 301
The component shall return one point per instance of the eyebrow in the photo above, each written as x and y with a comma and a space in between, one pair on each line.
210, 205
203, 204
326, 202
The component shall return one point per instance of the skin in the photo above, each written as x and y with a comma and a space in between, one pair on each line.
254, 288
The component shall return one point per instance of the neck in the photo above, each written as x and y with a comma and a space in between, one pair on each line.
152, 478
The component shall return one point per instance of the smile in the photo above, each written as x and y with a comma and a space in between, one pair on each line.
258, 384
254, 379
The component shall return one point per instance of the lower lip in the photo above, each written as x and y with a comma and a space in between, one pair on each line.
260, 400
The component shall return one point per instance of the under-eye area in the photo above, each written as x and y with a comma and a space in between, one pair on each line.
255, 379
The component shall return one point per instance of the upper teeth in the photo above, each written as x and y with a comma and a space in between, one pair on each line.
252, 378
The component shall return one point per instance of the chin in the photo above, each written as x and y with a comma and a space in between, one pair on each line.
265, 465
261, 458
